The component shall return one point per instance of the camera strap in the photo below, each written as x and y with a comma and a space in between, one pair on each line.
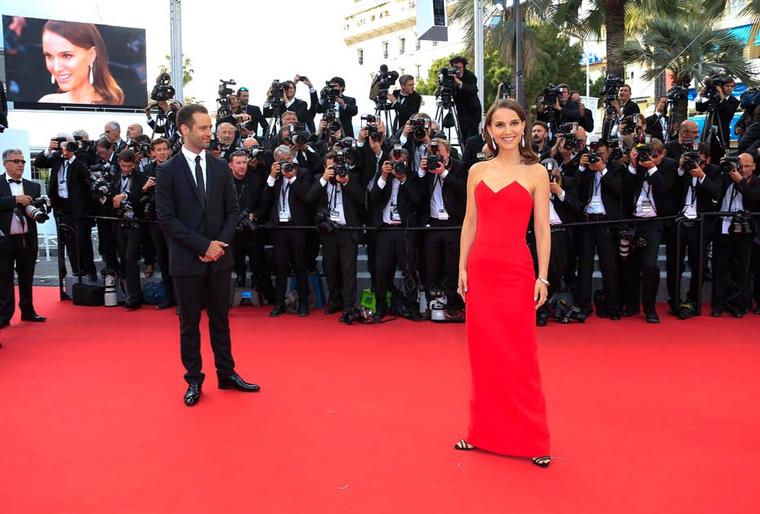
64, 169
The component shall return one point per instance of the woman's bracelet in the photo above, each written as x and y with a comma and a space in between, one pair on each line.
543, 281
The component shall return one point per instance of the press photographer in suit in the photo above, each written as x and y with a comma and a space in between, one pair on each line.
257, 118
198, 211
70, 197
344, 105
18, 242
338, 195
443, 192
657, 123
466, 98
406, 101
625, 106
717, 97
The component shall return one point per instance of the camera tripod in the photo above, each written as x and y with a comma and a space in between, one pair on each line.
609, 122
382, 106
275, 121
712, 131
443, 113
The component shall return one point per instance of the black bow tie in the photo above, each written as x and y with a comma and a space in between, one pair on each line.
14, 181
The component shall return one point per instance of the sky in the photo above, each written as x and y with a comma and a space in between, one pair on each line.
253, 42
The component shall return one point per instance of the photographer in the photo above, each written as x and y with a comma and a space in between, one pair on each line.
540, 140
733, 243
406, 101
112, 132
125, 199
107, 244
443, 188
647, 185
165, 124
719, 104
416, 136
338, 195
332, 97
133, 131
227, 137
85, 147
657, 123
70, 198
556, 107
18, 242
688, 132
697, 189
288, 101
570, 148
256, 117
372, 148
392, 202
624, 106
564, 207
249, 242
600, 187
286, 190
586, 117
466, 99
160, 152
304, 156
287, 119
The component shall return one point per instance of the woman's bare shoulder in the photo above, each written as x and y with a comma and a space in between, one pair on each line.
477, 169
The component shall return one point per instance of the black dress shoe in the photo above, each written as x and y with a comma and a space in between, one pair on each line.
33, 317
332, 309
131, 306
541, 320
277, 311
193, 394
303, 309
235, 381
735, 312
716, 312
345, 317
165, 305
615, 317
652, 317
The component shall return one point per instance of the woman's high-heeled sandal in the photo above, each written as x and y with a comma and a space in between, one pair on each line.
463, 445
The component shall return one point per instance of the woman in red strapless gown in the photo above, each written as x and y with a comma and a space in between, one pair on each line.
507, 410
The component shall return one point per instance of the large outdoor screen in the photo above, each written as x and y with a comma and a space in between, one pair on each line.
64, 62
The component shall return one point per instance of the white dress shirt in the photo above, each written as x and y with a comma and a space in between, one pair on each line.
391, 215
18, 223
283, 202
335, 201
190, 158
596, 205
732, 202
645, 206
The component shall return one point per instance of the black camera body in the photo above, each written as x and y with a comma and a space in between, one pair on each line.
39, 209
297, 134
644, 152
678, 93
329, 93
690, 160
433, 161
163, 91
399, 169
287, 166
741, 223
339, 164
419, 128
550, 95
246, 224
223, 108
99, 181
323, 222
628, 125
383, 82
331, 117
611, 88
729, 164
370, 123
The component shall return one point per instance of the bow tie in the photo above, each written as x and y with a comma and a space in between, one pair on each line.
14, 181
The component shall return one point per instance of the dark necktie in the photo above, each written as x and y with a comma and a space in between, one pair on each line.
14, 181
62, 179
199, 179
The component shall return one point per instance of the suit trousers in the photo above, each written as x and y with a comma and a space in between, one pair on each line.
731, 259
441, 251
689, 248
107, 246
251, 245
640, 271
162, 255
339, 254
394, 250
77, 244
128, 239
601, 240
558, 262
214, 287
290, 252
15, 251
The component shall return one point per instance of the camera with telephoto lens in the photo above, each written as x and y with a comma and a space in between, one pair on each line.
287, 166
331, 118
433, 161
564, 313
593, 153
99, 181
628, 241
419, 128
709, 92
39, 209
323, 222
628, 125
611, 88
339, 164
399, 169
246, 224
678, 93
329, 93
445, 91
297, 134
550, 95
690, 160
83, 145
382, 84
741, 223
644, 152
163, 91
729, 164
223, 107
141, 148
348, 146
370, 123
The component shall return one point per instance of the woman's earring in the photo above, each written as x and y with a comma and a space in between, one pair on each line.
92, 80
52, 79
523, 140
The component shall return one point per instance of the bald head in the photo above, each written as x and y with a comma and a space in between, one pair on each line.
689, 130
748, 165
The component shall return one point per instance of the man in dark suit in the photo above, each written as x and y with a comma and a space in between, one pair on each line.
257, 118
393, 198
624, 105
657, 123
338, 195
600, 186
688, 132
473, 148
443, 198
466, 98
406, 101
198, 211
647, 186
70, 197
18, 241
344, 105
304, 112
112, 131
722, 114
286, 194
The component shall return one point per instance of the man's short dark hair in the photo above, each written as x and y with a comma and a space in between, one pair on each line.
329, 155
602, 142
103, 142
403, 79
127, 155
159, 141
626, 85
458, 59
541, 123
236, 153
339, 81
185, 114
142, 138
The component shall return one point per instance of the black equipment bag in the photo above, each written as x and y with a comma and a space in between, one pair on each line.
87, 294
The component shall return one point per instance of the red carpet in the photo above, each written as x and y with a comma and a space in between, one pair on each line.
361, 419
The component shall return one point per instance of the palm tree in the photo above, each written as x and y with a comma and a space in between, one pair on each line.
690, 48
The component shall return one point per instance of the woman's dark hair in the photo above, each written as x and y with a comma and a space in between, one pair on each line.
526, 150
86, 35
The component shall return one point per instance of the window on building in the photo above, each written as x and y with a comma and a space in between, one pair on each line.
403, 70
402, 46
417, 44
360, 55
418, 72
435, 43
385, 49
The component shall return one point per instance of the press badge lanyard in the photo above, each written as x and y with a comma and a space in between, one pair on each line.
442, 214
332, 203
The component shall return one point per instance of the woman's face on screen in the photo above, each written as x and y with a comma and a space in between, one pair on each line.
67, 63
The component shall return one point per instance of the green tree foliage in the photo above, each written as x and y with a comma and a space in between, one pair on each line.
428, 86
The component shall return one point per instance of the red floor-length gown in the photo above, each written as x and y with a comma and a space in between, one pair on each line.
507, 409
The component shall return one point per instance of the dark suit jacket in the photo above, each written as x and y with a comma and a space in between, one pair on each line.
750, 138
611, 189
631, 107
301, 210
8, 206
661, 183
344, 114
188, 227
454, 193
708, 191
570, 209
654, 127
466, 99
250, 195
135, 191
353, 198
472, 147
257, 119
410, 106
726, 110
76, 183
408, 198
